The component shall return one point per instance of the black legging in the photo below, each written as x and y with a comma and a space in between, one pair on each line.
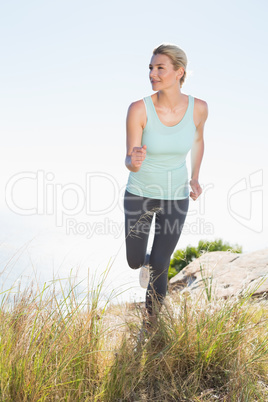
169, 221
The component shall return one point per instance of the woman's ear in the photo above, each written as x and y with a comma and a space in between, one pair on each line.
180, 73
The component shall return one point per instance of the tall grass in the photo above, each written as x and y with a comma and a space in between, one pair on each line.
63, 343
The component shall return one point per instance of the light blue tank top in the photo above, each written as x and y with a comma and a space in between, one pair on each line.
163, 173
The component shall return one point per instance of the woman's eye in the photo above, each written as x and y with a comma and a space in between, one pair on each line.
150, 68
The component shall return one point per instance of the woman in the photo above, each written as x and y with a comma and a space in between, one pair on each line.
161, 129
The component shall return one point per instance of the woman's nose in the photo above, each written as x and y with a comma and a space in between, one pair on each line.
152, 73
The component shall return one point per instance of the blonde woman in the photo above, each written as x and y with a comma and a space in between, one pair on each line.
161, 129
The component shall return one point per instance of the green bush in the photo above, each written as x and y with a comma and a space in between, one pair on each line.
183, 257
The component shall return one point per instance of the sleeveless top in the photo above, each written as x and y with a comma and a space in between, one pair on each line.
163, 173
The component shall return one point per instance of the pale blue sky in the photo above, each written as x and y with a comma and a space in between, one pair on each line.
70, 69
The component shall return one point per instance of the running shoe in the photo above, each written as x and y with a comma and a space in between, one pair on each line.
144, 276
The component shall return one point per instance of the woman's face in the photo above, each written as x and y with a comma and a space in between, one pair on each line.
162, 74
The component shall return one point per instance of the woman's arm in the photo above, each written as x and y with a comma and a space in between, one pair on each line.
198, 150
134, 125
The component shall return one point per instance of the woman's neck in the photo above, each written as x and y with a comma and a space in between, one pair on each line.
170, 99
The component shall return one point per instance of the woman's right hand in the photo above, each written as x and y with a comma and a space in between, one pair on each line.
138, 155
136, 121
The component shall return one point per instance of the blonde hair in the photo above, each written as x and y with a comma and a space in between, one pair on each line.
177, 56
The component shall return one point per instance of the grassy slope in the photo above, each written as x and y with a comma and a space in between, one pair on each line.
63, 347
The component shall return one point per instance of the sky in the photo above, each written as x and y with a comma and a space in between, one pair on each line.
68, 73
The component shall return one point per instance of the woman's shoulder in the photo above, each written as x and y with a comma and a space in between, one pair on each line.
137, 109
200, 111
200, 104
137, 105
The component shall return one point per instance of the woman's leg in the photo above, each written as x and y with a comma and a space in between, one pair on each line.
168, 227
139, 213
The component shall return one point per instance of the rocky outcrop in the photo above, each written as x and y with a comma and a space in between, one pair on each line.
229, 273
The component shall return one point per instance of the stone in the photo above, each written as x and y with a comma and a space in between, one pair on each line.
230, 274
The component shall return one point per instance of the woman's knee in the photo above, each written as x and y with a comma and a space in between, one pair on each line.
135, 261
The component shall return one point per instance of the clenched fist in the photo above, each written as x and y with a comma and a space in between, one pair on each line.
138, 155
197, 190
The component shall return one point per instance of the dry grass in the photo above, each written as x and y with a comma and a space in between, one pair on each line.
66, 346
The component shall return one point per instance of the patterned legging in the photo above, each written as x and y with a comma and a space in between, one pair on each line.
169, 221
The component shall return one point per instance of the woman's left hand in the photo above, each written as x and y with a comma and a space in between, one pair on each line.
197, 190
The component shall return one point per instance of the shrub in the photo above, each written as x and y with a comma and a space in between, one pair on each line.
183, 257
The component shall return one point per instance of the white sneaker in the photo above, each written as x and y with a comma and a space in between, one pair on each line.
144, 276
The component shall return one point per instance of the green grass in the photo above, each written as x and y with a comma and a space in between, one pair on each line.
68, 345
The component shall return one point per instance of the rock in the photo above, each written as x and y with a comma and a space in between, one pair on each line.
230, 274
